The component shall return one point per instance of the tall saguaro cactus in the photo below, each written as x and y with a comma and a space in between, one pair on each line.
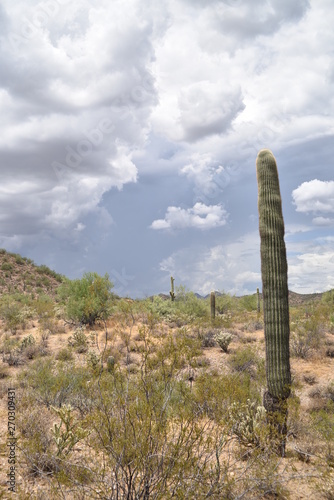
274, 291
171, 293
213, 305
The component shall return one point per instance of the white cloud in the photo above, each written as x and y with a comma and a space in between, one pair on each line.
76, 92
323, 221
205, 109
312, 271
314, 196
208, 176
200, 216
234, 267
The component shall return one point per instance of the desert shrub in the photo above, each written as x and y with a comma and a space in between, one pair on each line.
68, 432
87, 300
207, 337
223, 339
78, 340
14, 313
330, 351
29, 348
225, 303
190, 305
12, 357
36, 441
4, 373
254, 326
19, 260
329, 391
44, 307
161, 308
328, 297
27, 341
306, 337
94, 360
11, 352
56, 384
246, 360
300, 345
310, 378
6, 266
214, 395
248, 303
323, 424
186, 307
248, 422
146, 429
65, 355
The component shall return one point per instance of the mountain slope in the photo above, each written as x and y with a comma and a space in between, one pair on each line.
21, 275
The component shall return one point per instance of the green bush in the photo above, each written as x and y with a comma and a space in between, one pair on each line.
19, 260
186, 307
248, 422
247, 360
6, 266
14, 312
248, 303
87, 300
78, 341
65, 355
223, 339
56, 384
225, 303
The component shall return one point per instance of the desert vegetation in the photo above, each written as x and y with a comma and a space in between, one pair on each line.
155, 399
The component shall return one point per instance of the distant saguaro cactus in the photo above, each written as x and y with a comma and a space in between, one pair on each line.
213, 305
172, 294
275, 293
258, 301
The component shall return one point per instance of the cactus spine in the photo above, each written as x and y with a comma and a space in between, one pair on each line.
213, 305
172, 294
274, 291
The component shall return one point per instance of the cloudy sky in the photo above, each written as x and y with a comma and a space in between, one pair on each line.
130, 130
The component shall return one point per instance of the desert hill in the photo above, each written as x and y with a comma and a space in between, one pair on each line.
21, 275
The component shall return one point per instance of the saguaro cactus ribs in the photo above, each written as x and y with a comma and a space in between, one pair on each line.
274, 290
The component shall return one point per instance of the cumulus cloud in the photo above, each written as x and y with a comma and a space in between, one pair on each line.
250, 20
208, 176
200, 216
76, 92
233, 267
314, 196
206, 110
313, 270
